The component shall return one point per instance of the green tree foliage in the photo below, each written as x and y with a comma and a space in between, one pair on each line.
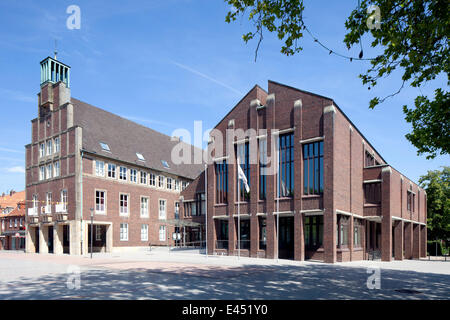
413, 36
437, 185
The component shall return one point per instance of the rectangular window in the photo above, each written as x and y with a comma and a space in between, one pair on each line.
144, 207
313, 232
133, 175
124, 232
49, 171
177, 185
262, 169
242, 154
372, 193
42, 173
144, 232
169, 183
342, 231
56, 169
143, 177
162, 233
15, 223
49, 147
184, 185
98, 233
152, 179
177, 210
162, 209
357, 232
123, 204
64, 199
111, 171
99, 168
57, 145
262, 233
160, 181
48, 199
221, 170
410, 201
122, 173
313, 168
100, 201
42, 150
286, 165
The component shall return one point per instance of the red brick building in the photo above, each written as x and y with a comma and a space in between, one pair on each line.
83, 160
332, 196
12, 235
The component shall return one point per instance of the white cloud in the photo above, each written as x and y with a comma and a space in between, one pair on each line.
16, 169
10, 150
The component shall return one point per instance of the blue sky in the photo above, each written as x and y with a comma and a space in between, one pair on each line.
165, 64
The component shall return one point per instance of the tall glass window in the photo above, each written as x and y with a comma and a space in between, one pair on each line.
313, 168
262, 168
313, 232
243, 156
286, 165
221, 169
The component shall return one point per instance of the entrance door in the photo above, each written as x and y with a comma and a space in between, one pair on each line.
50, 239
36, 239
286, 238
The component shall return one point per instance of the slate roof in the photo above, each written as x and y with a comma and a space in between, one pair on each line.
125, 138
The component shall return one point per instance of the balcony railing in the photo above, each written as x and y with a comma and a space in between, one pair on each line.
32, 211
60, 208
245, 244
221, 244
46, 209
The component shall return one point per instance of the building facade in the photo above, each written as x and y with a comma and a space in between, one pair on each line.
12, 235
318, 189
85, 164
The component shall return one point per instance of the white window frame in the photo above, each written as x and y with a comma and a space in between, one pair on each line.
144, 210
169, 183
112, 168
121, 212
144, 232
49, 147
162, 234
56, 145
64, 199
152, 179
99, 210
133, 175
160, 181
99, 168
123, 175
42, 150
142, 175
48, 201
49, 171
42, 170
56, 169
124, 232
164, 216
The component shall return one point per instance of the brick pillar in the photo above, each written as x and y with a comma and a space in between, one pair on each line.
350, 237
58, 238
329, 234
398, 243
299, 239
408, 240
211, 236
386, 213
423, 241
43, 238
416, 241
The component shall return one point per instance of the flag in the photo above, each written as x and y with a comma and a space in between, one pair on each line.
241, 176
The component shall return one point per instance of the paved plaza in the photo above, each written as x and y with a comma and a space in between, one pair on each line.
160, 274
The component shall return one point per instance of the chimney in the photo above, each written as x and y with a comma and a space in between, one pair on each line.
11, 192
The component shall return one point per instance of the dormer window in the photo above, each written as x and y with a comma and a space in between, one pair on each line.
165, 164
140, 156
105, 147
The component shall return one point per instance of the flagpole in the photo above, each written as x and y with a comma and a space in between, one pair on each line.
206, 210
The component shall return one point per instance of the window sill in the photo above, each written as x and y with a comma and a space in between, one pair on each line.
307, 196
221, 205
100, 213
372, 205
284, 198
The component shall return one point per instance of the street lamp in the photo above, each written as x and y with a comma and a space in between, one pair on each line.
92, 229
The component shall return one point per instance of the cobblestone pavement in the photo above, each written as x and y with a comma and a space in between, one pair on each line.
160, 274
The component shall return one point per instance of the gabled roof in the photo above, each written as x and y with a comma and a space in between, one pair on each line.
10, 201
125, 138
18, 211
